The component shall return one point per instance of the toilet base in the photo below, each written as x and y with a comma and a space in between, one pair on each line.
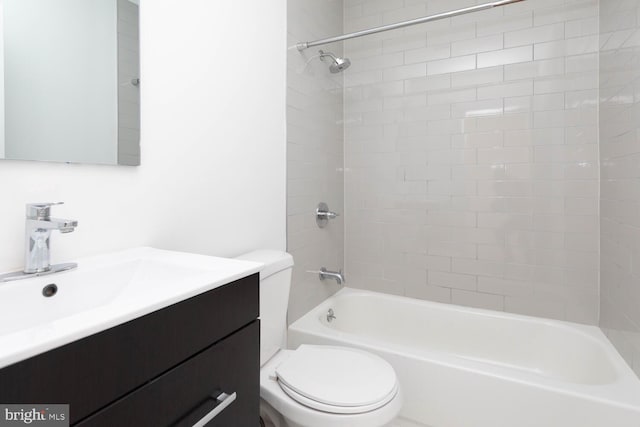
269, 416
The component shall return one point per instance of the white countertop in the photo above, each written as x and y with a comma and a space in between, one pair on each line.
103, 292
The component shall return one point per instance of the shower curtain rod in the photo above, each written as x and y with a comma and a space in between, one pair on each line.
444, 15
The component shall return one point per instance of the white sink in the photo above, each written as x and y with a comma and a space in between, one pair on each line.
104, 291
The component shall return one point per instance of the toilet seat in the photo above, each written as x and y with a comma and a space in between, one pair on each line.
336, 409
337, 380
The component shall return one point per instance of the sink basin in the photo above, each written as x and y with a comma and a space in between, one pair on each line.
104, 291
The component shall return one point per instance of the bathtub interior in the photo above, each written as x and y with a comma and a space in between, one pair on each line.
546, 348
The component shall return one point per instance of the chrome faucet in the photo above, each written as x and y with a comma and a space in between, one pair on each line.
39, 226
335, 275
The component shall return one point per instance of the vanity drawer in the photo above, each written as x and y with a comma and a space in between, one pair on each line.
183, 396
93, 372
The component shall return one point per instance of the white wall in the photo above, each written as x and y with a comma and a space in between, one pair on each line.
212, 178
60, 97
471, 155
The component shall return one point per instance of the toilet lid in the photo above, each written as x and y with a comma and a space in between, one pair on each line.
337, 379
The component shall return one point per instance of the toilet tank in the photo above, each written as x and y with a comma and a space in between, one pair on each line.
275, 282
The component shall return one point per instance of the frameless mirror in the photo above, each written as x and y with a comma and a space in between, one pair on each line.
71, 76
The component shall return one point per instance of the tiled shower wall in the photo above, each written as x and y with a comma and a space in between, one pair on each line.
471, 155
314, 153
620, 164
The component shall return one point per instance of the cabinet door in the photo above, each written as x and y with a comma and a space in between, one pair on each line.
185, 394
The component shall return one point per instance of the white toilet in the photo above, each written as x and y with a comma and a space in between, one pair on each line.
315, 386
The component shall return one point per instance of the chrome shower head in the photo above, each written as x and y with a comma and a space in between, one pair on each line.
337, 64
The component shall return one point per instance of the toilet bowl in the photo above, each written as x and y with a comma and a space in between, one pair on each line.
363, 404
315, 386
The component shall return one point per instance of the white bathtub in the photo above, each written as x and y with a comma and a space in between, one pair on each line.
465, 367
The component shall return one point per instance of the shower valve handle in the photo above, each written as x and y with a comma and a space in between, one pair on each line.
329, 215
323, 215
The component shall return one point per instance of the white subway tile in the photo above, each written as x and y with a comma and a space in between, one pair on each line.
545, 33
478, 235
477, 108
506, 90
504, 155
451, 96
408, 102
440, 32
502, 25
581, 27
569, 153
535, 239
426, 84
403, 13
530, 306
449, 249
405, 72
582, 170
553, 101
549, 50
426, 54
505, 56
535, 69
429, 293
589, 242
378, 62
506, 122
562, 48
582, 63
475, 267
437, 263
478, 172
372, 7
477, 299
497, 286
432, 112
479, 140
505, 221
478, 77
518, 104
505, 188
452, 280
451, 65
565, 12
476, 45
453, 219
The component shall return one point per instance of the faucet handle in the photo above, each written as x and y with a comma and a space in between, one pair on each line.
323, 215
40, 211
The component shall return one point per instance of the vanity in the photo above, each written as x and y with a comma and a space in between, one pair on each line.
173, 342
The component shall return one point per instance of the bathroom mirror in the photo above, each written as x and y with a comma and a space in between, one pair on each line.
71, 81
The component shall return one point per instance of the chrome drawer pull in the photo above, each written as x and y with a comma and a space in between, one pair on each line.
224, 400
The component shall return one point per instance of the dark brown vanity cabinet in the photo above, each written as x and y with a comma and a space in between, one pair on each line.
169, 368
